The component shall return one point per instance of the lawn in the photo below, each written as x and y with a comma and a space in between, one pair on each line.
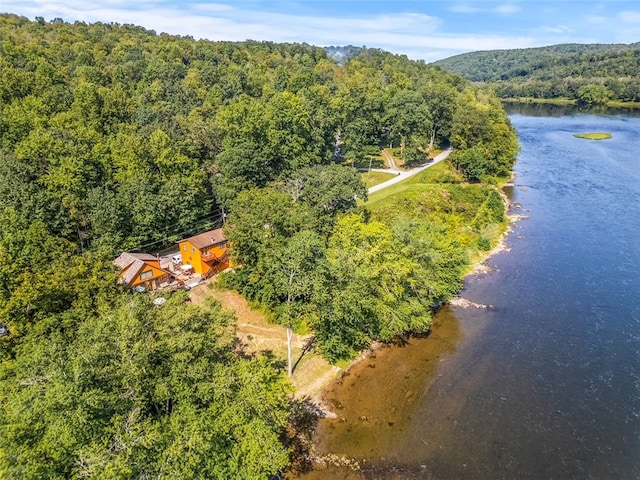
371, 179
433, 174
439, 196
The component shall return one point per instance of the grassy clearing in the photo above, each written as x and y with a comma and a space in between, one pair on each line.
371, 179
439, 195
593, 136
439, 173
370, 161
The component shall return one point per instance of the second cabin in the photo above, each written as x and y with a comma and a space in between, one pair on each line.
206, 253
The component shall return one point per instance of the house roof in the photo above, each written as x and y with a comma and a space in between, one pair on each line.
206, 239
126, 259
133, 263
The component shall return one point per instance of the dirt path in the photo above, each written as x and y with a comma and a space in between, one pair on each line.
390, 161
404, 174
311, 373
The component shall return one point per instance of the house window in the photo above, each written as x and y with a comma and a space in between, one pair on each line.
145, 275
184, 247
193, 250
222, 244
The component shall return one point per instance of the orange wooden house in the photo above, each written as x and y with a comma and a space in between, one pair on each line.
141, 269
207, 253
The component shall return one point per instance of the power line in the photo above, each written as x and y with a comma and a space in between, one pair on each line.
215, 220
166, 239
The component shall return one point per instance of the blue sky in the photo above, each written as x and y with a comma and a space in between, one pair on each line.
428, 30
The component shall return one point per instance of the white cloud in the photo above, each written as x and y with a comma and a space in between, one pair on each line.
464, 8
416, 35
629, 17
557, 29
209, 8
503, 9
507, 9
597, 20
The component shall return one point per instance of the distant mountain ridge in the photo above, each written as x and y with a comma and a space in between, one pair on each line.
556, 71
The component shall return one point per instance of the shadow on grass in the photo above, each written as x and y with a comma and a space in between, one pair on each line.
308, 347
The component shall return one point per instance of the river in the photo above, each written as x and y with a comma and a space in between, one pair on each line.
545, 382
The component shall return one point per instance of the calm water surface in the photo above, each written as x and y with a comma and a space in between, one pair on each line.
545, 383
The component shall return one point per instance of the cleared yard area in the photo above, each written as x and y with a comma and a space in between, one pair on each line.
311, 373
376, 178
434, 174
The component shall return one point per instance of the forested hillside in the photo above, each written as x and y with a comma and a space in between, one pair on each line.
590, 74
115, 138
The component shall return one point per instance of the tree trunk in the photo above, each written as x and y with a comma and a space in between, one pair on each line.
289, 354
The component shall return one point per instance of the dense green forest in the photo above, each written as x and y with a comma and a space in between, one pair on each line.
589, 74
114, 138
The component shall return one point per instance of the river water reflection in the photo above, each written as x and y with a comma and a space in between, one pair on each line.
545, 383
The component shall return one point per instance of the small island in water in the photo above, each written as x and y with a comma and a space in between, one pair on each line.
593, 136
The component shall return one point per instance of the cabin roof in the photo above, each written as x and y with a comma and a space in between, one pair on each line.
127, 258
206, 239
133, 263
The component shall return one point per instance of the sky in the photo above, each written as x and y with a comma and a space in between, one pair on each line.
426, 30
